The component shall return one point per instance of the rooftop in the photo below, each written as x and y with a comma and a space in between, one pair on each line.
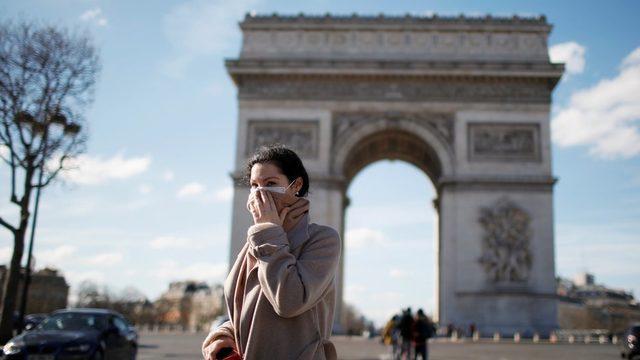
275, 20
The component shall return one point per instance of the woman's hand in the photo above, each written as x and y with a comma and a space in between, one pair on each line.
212, 350
263, 208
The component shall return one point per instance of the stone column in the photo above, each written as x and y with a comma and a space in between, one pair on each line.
328, 204
240, 221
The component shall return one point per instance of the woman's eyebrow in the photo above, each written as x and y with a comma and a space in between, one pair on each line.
267, 178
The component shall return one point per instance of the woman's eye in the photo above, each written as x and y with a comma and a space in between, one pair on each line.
271, 183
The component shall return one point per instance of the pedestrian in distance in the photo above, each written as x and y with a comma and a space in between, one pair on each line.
391, 336
406, 333
423, 330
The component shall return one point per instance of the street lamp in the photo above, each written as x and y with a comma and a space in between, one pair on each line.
69, 129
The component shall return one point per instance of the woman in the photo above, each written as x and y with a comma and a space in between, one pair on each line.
280, 292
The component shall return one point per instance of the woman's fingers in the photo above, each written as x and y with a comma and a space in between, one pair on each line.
212, 350
283, 214
270, 202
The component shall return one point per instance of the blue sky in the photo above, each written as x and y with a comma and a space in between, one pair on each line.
152, 202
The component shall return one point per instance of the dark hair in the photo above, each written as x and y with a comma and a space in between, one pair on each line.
285, 159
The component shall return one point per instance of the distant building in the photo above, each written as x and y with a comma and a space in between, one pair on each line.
583, 304
48, 290
189, 304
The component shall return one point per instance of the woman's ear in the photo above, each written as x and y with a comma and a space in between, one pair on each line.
298, 185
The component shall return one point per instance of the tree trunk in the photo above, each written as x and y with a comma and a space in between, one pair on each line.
13, 278
11, 289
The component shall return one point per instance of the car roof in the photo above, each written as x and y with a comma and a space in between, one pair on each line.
96, 311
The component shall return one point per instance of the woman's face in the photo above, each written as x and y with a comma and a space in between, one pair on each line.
267, 175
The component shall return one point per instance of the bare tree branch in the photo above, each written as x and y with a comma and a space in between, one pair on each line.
47, 77
7, 225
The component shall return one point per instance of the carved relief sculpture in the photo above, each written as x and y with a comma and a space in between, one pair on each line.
299, 135
506, 255
504, 141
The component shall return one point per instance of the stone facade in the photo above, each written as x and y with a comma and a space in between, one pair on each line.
190, 305
583, 304
48, 290
466, 100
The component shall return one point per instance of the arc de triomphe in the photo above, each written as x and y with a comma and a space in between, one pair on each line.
466, 100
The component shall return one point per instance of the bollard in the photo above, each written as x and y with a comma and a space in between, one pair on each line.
602, 339
572, 339
553, 338
614, 339
476, 336
587, 339
536, 338
516, 337
454, 335
496, 336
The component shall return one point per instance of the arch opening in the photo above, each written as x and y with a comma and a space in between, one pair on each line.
390, 236
407, 214
394, 144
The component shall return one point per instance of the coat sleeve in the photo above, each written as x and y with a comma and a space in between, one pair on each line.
226, 329
292, 285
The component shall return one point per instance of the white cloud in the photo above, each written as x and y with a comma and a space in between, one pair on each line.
5, 254
89, 170
196, 190
202, 27
392, 215
190, 190
599, 248
106, 259
363, 237
398, 273
168, 175
55, 256
94, 15
76, 277
604, 117
171, 242
571, 54
4, 151
224, 194
203, 271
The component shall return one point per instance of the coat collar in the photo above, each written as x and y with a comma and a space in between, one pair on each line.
299, 233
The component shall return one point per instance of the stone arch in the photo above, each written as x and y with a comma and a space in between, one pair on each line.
415, 142
385, 99
392, 145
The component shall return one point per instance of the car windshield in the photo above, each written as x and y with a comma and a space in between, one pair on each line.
74, 321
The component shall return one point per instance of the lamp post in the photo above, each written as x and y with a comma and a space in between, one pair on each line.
68, 128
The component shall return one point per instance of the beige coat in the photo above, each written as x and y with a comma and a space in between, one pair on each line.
285, 309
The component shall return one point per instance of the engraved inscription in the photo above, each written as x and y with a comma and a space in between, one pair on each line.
287, 88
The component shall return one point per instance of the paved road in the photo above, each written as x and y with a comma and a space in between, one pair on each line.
186, 346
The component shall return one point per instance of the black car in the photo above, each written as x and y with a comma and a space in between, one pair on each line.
631, 342
92, 334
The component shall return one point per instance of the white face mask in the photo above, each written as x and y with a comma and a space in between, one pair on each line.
275, 189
